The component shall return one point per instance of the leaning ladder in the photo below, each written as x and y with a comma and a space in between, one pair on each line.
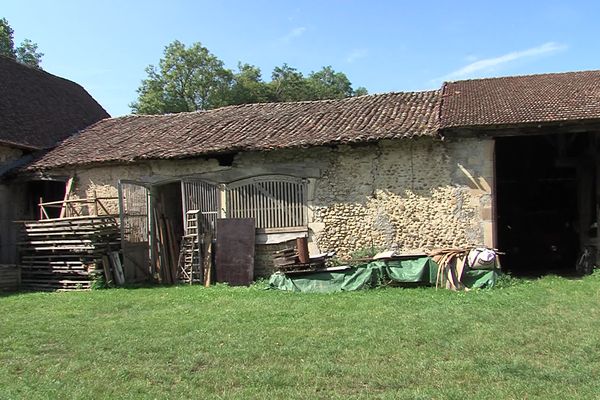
190, 270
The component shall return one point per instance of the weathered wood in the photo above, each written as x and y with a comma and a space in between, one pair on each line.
108, 276
54, 252
207, 262
118, 268
63, 208
235, 251
10, 278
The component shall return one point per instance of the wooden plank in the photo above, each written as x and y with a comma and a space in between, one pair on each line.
173, 250
63, 208
207, 260
108, 276
117, 267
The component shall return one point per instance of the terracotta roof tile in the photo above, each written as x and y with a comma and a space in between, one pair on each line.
250, 127
38, 109
521, 99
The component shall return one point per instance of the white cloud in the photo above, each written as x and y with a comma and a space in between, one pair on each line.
356, 54
294, 33
492, 64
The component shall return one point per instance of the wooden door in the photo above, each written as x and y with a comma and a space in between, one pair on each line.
134, 210
203, 197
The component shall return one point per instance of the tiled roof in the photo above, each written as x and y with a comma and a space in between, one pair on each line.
250, 127
521, 100
38, 109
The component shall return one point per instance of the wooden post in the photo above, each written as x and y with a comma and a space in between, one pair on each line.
63, 208
222, 201
585, 182
95, 199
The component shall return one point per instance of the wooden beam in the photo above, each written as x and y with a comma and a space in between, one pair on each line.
63, 208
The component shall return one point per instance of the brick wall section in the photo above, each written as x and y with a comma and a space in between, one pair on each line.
263, 258
404, 194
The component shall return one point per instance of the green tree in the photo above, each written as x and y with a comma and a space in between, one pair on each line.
361, 91
25, 53
249, 87
187, 79
288, 84
328, 84
7, 44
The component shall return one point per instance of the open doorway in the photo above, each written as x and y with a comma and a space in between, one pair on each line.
168, 229
168, 205
541, 187
43, 191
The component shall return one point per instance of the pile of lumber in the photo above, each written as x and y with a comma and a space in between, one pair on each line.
287, 260
67, 253
296, 259
166, 247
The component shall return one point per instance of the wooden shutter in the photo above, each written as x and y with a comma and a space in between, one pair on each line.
272, 201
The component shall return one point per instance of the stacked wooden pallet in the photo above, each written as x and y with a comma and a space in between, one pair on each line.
66, 253
286, 259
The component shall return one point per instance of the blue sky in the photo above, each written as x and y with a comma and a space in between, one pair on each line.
381, 45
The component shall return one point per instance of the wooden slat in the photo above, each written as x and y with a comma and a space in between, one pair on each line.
276, 202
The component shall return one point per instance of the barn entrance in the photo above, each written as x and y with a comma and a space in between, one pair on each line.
545, 202
153, 222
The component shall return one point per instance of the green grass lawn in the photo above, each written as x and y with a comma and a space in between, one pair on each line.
533, 340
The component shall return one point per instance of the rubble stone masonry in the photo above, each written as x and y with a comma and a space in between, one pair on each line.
404, 194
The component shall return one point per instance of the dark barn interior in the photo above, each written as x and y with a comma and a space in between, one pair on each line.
545, 202
44, 191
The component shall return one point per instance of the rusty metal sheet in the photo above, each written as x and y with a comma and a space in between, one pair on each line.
235, 251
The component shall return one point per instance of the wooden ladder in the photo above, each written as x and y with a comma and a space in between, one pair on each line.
190, 270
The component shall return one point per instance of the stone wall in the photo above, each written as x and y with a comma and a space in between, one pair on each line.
405, 195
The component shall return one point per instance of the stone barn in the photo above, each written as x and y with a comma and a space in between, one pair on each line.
348, 174
505, 162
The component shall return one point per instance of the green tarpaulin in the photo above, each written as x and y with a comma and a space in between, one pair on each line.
421, 270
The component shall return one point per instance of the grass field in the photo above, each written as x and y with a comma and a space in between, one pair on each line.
532, 340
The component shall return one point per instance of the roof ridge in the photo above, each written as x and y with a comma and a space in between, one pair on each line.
282, 103
523, 76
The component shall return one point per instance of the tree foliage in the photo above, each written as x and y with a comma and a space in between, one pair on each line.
248, 86
26, 53
7, 43
192, 78
187, 79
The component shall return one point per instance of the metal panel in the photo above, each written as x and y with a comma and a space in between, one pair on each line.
204, 197
273, 201
134, 209
235, 251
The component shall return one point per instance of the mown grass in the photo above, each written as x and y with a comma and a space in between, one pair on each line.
532, 340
